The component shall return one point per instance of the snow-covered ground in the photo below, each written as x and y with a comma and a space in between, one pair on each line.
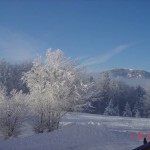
83, 132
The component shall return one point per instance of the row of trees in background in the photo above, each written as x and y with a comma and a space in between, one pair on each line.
11, 74
114, 97
43, 91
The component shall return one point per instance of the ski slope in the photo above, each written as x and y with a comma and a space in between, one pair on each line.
81, 131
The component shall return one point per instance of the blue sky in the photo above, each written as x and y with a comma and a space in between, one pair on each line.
101, 34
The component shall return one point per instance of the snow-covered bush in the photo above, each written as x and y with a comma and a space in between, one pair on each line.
56, 86
12, 109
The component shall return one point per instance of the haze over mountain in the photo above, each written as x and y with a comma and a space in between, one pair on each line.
132, 77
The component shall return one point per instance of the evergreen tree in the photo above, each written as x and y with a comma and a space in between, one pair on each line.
137, 114
117, 111
139, 96
110, 110
127, 111
12, 112
136, 110
102, 94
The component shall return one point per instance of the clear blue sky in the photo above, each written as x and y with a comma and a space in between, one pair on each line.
102, 34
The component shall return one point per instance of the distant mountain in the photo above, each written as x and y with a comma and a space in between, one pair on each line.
129, 76
128, 73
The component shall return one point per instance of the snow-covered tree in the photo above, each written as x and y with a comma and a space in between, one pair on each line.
12, 111
139, 104
5, 74
56, 86
16, 75
102, 93
137, 114
110, 110
11, 74
136, 110
127, 111
147, 101
117, 111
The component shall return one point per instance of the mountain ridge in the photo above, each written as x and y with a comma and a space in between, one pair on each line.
132, 77
127, 73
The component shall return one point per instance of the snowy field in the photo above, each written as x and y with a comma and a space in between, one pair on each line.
80, 131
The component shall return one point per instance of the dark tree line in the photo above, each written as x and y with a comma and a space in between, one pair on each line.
119, 97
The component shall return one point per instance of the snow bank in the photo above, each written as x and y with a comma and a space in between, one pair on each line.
82, 132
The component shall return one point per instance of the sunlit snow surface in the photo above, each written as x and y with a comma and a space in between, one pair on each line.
83, 132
